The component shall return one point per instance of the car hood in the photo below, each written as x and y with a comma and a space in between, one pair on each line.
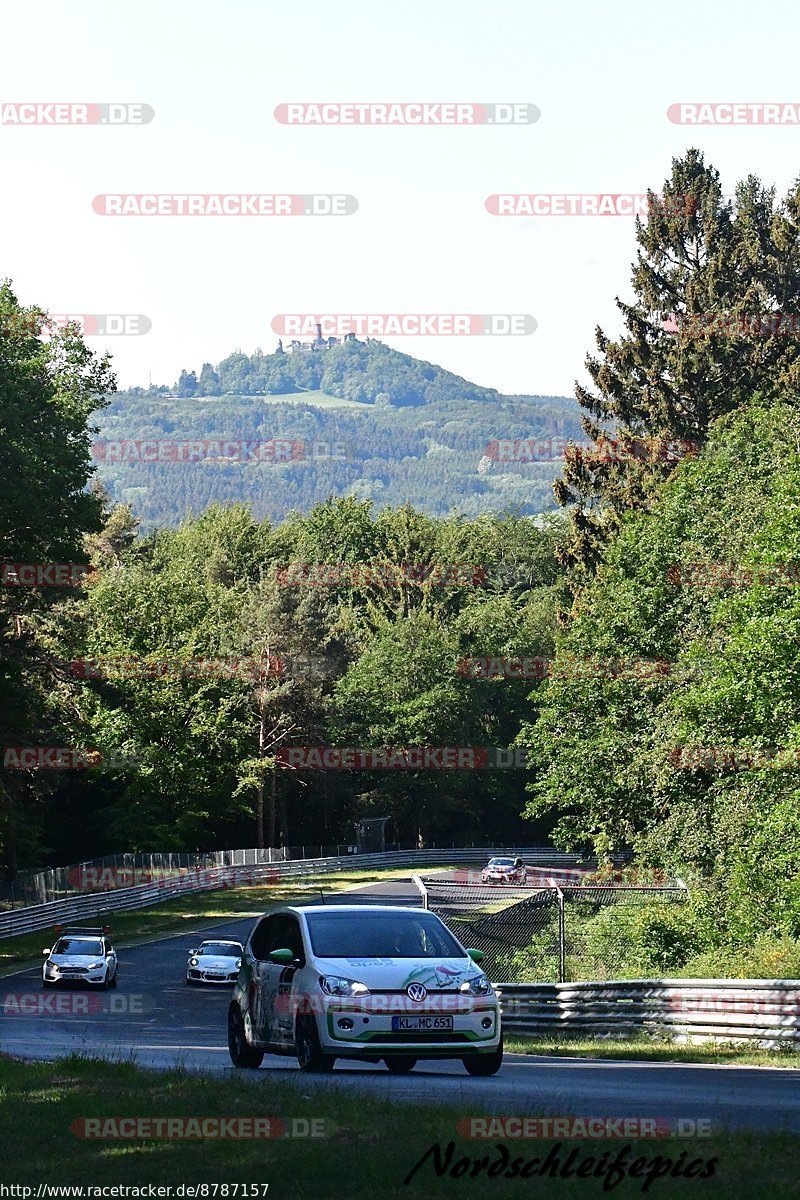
395, 974
216, 962
75, 960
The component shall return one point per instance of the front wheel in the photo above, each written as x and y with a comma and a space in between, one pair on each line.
241, 1054
310, 1054
485, 1064
401, 1065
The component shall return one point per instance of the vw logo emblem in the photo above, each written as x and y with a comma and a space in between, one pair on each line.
416, 992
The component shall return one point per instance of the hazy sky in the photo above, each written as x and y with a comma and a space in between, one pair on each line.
603, 76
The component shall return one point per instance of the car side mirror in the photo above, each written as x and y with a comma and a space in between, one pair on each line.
477, 956
282, 956
46, 952
192, 952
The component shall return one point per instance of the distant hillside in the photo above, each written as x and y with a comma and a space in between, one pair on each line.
418, 435
368, 372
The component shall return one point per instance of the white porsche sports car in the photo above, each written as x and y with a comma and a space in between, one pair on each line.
214, 962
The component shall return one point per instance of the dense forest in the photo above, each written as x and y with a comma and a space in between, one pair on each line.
658, 614
438, 464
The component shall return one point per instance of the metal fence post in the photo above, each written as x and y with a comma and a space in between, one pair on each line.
562, 950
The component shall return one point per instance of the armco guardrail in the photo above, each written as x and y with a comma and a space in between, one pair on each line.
97, 904
764, 1010
134, 868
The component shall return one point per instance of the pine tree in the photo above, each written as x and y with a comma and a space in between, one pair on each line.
705, 268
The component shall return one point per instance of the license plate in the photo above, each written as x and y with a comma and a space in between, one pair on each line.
421, 1024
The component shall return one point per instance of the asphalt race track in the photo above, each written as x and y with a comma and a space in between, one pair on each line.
157, 1021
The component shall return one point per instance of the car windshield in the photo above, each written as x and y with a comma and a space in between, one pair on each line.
501, 862
356, 934
221, 949
71, 945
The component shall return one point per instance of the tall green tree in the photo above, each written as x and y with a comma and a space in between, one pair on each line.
694, 766
704, 262
49, 388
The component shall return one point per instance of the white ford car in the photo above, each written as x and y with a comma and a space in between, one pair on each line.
371, 982
214, 962
81, 956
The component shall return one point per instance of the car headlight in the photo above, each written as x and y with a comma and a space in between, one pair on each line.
238, 964
193, 962
97, 966
335, 985
477, 986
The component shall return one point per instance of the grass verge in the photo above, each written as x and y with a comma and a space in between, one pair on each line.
649, 1049
370, 1149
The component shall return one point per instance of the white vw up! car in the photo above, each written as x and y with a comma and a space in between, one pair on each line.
364, 982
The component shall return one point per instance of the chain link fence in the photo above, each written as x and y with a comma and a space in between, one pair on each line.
559, 934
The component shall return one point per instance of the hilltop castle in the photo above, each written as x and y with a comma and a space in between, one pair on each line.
318, 343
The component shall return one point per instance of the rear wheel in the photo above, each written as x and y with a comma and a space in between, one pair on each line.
485, 1064
241, 1054
310, 1054
401, 1065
